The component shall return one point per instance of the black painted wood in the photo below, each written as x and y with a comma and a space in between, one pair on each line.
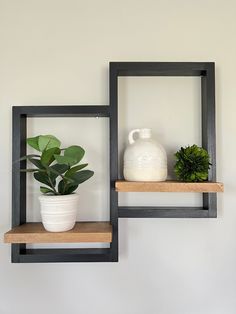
160, 68
113, 163
20, 253
65, 255
162, 212
209, 133
18, 178
63, 111
206, 70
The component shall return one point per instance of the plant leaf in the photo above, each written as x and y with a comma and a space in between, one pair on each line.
73, 170
75, 152
57, 170
47, 141
52, 170
33, 142
65, 189
42, 178
61, 187
82, 176
66, 160
53, 173
45, 190
48, 155
192, 164
72, 156
36, 162
70, 189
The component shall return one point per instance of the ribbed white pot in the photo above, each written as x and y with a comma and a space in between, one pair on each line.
59, 212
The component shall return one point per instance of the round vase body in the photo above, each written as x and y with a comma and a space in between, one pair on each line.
144, 159
58, 212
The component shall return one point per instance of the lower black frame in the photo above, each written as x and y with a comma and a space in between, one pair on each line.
162, 212
20, 253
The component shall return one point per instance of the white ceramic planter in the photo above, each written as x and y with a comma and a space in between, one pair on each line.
144, 158
58, 212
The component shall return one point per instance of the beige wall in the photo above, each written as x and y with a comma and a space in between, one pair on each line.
57, 52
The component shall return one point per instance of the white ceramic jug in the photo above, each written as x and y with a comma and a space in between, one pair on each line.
144, 158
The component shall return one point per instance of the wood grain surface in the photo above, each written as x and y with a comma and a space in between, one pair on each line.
82, 232
169, 186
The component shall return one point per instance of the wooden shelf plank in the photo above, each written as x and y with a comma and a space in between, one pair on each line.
82, 232
169, 186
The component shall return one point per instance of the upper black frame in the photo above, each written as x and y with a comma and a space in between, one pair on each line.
206, 70
21, 254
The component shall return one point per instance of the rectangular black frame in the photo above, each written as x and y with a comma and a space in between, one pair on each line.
206, 70
20, 254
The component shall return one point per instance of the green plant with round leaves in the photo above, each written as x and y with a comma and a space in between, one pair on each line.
59, 170
192, 164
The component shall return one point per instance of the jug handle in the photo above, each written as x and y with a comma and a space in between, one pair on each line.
131, 135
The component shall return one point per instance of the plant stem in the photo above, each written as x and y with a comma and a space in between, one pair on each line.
52, 186
64, 188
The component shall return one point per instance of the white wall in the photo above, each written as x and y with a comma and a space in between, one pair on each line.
57, 52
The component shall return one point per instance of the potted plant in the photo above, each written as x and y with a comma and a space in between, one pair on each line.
192, 164
60, 172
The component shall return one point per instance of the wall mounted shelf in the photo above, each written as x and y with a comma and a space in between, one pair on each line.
23, 232
169, 186
82, 232
206, 71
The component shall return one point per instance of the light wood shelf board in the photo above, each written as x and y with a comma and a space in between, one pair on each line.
82, 232
169, 186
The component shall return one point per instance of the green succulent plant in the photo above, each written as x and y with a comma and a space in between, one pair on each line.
59, 170
192, 164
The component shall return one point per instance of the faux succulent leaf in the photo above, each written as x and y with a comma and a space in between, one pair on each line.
42, 178
61, 187
56, 171
48, 155
192, 164
53, 173
33, 142
48, 141
75, 152
72, 156
36, 162
67, 160
73, 170
70, 189
82, 176
65, 188
45, 190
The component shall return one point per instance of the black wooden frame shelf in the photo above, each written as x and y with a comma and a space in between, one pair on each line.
22, 254
206, 70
